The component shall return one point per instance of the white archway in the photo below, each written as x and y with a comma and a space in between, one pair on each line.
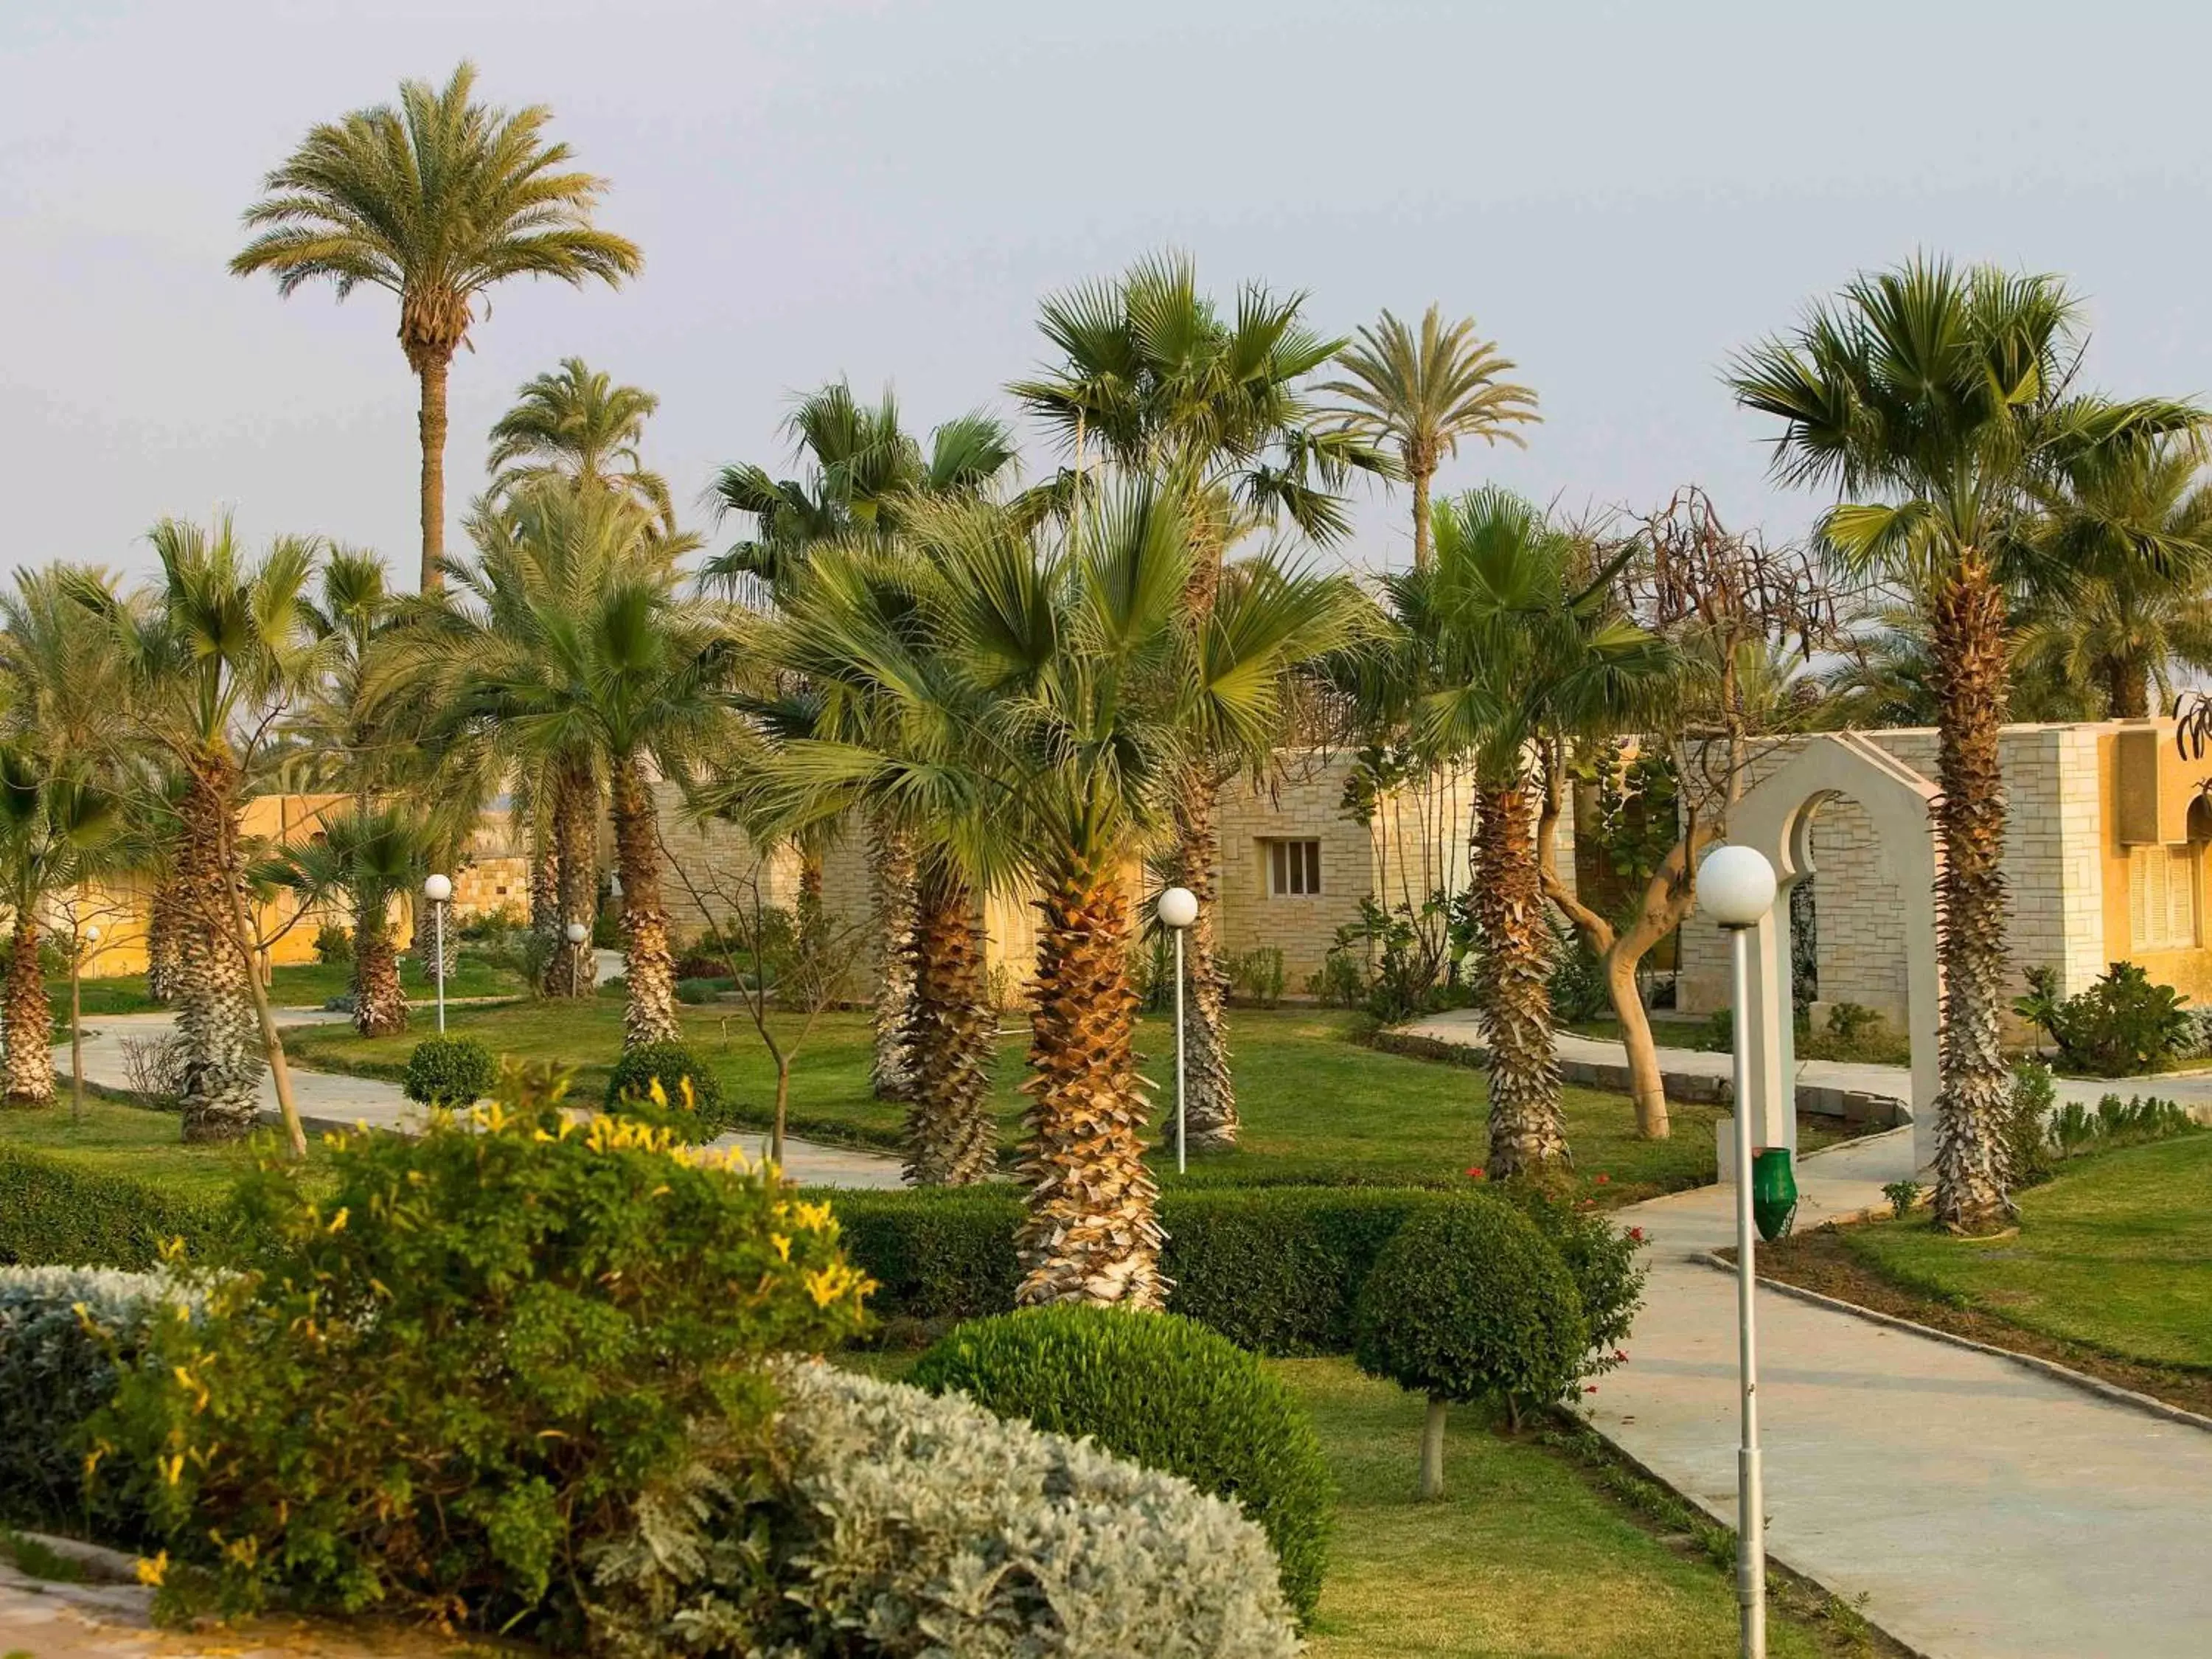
1776, 815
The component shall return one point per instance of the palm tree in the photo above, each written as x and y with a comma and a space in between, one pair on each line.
436, 201
863, 476
1937, 404
218, 651
1503, 642
1419, 395
55, 822
2132, 535
369, 856
1216, 409
571, 651
577, 424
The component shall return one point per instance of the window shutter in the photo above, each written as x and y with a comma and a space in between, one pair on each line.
2180, 898
2138, 897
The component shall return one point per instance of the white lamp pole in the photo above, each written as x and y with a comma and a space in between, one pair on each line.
1178, 909
1735, 887
576, 934
438, 890
76, 1024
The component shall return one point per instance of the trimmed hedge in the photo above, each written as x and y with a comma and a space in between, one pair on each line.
1165, 1392
450, 1071
53, 1211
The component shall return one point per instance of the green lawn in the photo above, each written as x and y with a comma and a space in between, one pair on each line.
2112, 1253
1317, 1106
306, 985
119, 1140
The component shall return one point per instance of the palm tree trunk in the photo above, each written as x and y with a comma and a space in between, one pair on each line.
568, 970
28, 1019
1969, 674
1422, 530
1513, 988
649, 965
380, 1006
216, 1023
1210, 1089
162, 943
2127, 689
430, 423
952, 1139
892, 872
546, 919
1090, 1231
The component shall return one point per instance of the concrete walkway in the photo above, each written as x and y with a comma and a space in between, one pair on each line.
1986, 1510
334, 1100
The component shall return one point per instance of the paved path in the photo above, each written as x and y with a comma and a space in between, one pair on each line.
339, 1100
1459, 1026
1986, 1510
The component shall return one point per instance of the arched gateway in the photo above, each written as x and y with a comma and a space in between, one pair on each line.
1776, 815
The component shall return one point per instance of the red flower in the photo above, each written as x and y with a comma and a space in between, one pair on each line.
1602, 1178
1475, 1172
1589, 1388
1637, 1233
1621, 1356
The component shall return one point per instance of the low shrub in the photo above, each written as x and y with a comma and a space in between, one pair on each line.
1850, 1021
696, 993
1259, 976
1601, 1259
1165, 1392
1468, 1303
691, 1096
911, 1527
65, 1332
53, 1211
154, 1070
438, 1383
1274, 1269
2134, 1121
333, 944
450, 1071
2123, 1024
700, 965
2026, 1134
1578, 986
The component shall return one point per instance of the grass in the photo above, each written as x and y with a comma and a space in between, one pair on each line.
303, 985
1317, 1105
2111, 1254
115, 1139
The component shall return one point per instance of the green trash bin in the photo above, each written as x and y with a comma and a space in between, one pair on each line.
1773, 1192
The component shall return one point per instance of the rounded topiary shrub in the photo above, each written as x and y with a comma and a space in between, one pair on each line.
1469, 1302
450, 1071
630, 1089
1167, 1393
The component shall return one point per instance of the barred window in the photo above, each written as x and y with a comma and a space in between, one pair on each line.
1293, 868
2162, 898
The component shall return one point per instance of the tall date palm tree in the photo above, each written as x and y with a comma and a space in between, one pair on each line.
436, 201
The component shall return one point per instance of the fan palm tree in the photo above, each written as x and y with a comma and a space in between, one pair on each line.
2133, 534
570, 650
369, 857
435, 201
577, 423
1503, 642
1937, 404
1215, 408
1418, 395
863, 475
218, 651
55, 822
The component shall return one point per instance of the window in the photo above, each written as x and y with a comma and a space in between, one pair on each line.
1293, 868
2162, 898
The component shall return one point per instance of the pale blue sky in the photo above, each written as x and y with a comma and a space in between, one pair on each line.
1619, 194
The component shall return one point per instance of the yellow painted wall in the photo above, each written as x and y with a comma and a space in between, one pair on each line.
2188, 971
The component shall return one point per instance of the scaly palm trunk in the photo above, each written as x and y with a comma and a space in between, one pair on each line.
649, 965
380, 1006
2127, 689
952, 1139
430, 367
1422, 533
545, 919
1969, 674
568, 970
1513, 988
1090, 1231
26, 1020
892, 872
163, 941
1209, 1096
216, 1020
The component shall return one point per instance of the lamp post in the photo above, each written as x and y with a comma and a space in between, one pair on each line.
1178, 908
438, 890
91, 940
576, 934
1735, 887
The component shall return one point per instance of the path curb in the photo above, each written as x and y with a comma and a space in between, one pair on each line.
2051, 1368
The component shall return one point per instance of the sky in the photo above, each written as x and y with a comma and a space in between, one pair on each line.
1621, 196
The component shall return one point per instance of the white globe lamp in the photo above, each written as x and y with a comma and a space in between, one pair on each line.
438, 890
577, 932
1735, 886
1178, 908
92, 935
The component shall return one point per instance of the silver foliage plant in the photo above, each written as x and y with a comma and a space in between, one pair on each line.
913, 1526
